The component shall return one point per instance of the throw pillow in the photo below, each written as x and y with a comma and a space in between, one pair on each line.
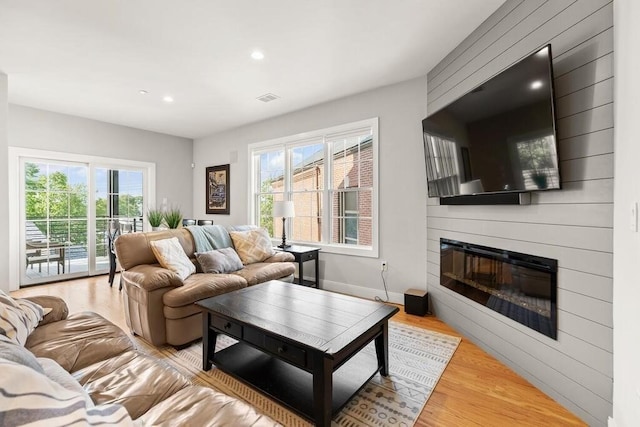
253, 245
171, 256
18, 317
59, 375
219, 261
49, 403
14, 352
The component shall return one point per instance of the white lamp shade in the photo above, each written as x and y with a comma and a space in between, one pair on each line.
283, 209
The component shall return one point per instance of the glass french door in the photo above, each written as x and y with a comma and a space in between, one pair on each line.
68, 212
55, 201
119, 207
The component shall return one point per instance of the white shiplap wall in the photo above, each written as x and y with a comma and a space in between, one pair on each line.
573, 225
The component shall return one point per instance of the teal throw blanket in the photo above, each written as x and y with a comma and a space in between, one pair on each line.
210, 237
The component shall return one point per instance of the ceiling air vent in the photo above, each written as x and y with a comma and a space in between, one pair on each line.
267, 97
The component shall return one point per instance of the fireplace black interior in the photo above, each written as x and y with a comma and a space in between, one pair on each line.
520, 286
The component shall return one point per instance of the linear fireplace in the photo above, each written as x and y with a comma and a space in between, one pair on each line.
520, 286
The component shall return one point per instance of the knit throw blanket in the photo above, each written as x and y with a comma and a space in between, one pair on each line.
210, 237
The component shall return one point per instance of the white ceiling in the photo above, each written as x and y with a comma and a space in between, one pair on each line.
90, 58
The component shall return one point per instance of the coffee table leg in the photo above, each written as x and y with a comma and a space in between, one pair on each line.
209, 337
322, 390
382, 350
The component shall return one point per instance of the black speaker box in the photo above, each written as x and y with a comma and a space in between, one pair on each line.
416, 302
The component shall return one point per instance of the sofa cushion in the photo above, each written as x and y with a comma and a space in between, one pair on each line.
100, 369
280, 256
78, 341
253, 245
18, 317
260, 272
136, 381
133, 248
151, 277
59, 308
30, 398
204, 407
171, 256
200, 286
219, 261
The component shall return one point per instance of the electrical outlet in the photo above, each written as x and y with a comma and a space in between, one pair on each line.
383, 266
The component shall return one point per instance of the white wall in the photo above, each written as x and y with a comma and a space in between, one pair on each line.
402, 176
4, 183
45, 130
626, 289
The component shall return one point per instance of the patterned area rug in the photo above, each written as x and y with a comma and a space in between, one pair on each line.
417, 359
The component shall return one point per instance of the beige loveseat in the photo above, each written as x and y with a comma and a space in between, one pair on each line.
159, 306
87, 369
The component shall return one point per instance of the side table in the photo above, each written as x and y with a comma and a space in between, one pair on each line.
303, 254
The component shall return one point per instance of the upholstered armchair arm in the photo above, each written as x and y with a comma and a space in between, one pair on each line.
151, 277
59, 308
281, 257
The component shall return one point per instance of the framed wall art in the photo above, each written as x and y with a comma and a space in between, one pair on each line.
218, 189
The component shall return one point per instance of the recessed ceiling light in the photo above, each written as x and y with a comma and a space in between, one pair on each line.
168, 99
142, 92
257, 55
536, 85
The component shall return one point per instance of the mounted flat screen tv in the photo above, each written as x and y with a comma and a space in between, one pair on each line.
498, 138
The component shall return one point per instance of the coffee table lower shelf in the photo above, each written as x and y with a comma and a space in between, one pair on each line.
289, 385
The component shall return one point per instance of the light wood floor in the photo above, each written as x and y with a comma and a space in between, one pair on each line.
475, 389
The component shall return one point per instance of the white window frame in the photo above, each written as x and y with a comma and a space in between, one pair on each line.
303, 138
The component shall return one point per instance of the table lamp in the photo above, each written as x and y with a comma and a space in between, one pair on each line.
285, 210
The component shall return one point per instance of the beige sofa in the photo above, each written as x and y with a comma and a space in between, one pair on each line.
159, 306
106, 371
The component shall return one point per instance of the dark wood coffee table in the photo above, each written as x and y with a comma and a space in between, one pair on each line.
291, 341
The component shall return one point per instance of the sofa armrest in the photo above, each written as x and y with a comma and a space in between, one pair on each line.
59, 308
281, 257
151, 277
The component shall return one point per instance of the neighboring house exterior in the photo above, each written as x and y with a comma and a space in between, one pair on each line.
351, 195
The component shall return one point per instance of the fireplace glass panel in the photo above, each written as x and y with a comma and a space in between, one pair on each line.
520, 286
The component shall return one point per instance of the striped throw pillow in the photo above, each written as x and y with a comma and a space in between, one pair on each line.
18, 317
29, 397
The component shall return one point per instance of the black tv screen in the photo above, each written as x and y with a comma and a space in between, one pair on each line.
499, 137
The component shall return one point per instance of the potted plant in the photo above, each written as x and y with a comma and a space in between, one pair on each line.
539, 178
173, 217
155, 217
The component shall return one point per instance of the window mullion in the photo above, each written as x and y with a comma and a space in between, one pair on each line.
288, 184
326, 192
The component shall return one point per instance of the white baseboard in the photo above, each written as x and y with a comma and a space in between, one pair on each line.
611, 422
361, 291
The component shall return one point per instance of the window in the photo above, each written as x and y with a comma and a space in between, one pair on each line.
539, 162
331, 176
442, 165
348, 232
65, 206
56, 200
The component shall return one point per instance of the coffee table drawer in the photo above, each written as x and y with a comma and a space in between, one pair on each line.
293, 354
227, 326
